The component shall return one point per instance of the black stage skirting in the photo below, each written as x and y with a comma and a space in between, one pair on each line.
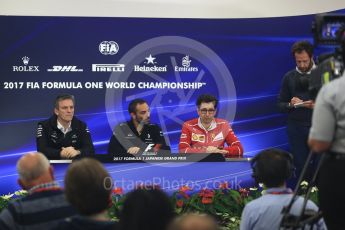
127, 158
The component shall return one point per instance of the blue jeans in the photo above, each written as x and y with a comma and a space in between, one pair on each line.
298, 141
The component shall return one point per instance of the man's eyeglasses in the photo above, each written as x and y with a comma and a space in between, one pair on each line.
210, 111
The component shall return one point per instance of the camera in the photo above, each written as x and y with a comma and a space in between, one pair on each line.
328, 30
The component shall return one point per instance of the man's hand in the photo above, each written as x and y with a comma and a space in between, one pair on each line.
213, 149
69, 152
223, 152
309, 104
319, 146
133, 150
295, 100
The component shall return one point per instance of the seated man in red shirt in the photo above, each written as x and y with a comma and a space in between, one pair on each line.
208, 134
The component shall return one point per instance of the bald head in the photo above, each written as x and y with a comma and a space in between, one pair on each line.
33, 169
195, 221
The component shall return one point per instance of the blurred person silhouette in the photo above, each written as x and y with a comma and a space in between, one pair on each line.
88, 188
194, 221
327, 138
45, 205
146, 208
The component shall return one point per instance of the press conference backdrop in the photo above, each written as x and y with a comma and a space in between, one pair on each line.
107, 62
162, 52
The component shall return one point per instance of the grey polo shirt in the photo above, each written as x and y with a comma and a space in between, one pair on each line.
328, 122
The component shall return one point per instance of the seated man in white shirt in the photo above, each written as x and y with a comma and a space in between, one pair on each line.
63, 136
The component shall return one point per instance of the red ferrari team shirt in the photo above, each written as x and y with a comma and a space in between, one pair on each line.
195, 138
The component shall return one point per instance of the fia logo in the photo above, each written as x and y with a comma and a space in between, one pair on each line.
108, 47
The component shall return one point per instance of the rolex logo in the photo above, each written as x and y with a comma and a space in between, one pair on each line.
26, 60
25, 67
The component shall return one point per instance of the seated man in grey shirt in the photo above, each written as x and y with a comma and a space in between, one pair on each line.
273, 167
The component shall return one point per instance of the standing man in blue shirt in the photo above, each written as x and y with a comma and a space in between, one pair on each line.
295, 100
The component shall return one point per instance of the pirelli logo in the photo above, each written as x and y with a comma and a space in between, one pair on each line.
108, 67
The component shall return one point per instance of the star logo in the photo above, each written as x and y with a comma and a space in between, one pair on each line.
150, 59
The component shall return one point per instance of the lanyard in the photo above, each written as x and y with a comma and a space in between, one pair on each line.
279, 191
